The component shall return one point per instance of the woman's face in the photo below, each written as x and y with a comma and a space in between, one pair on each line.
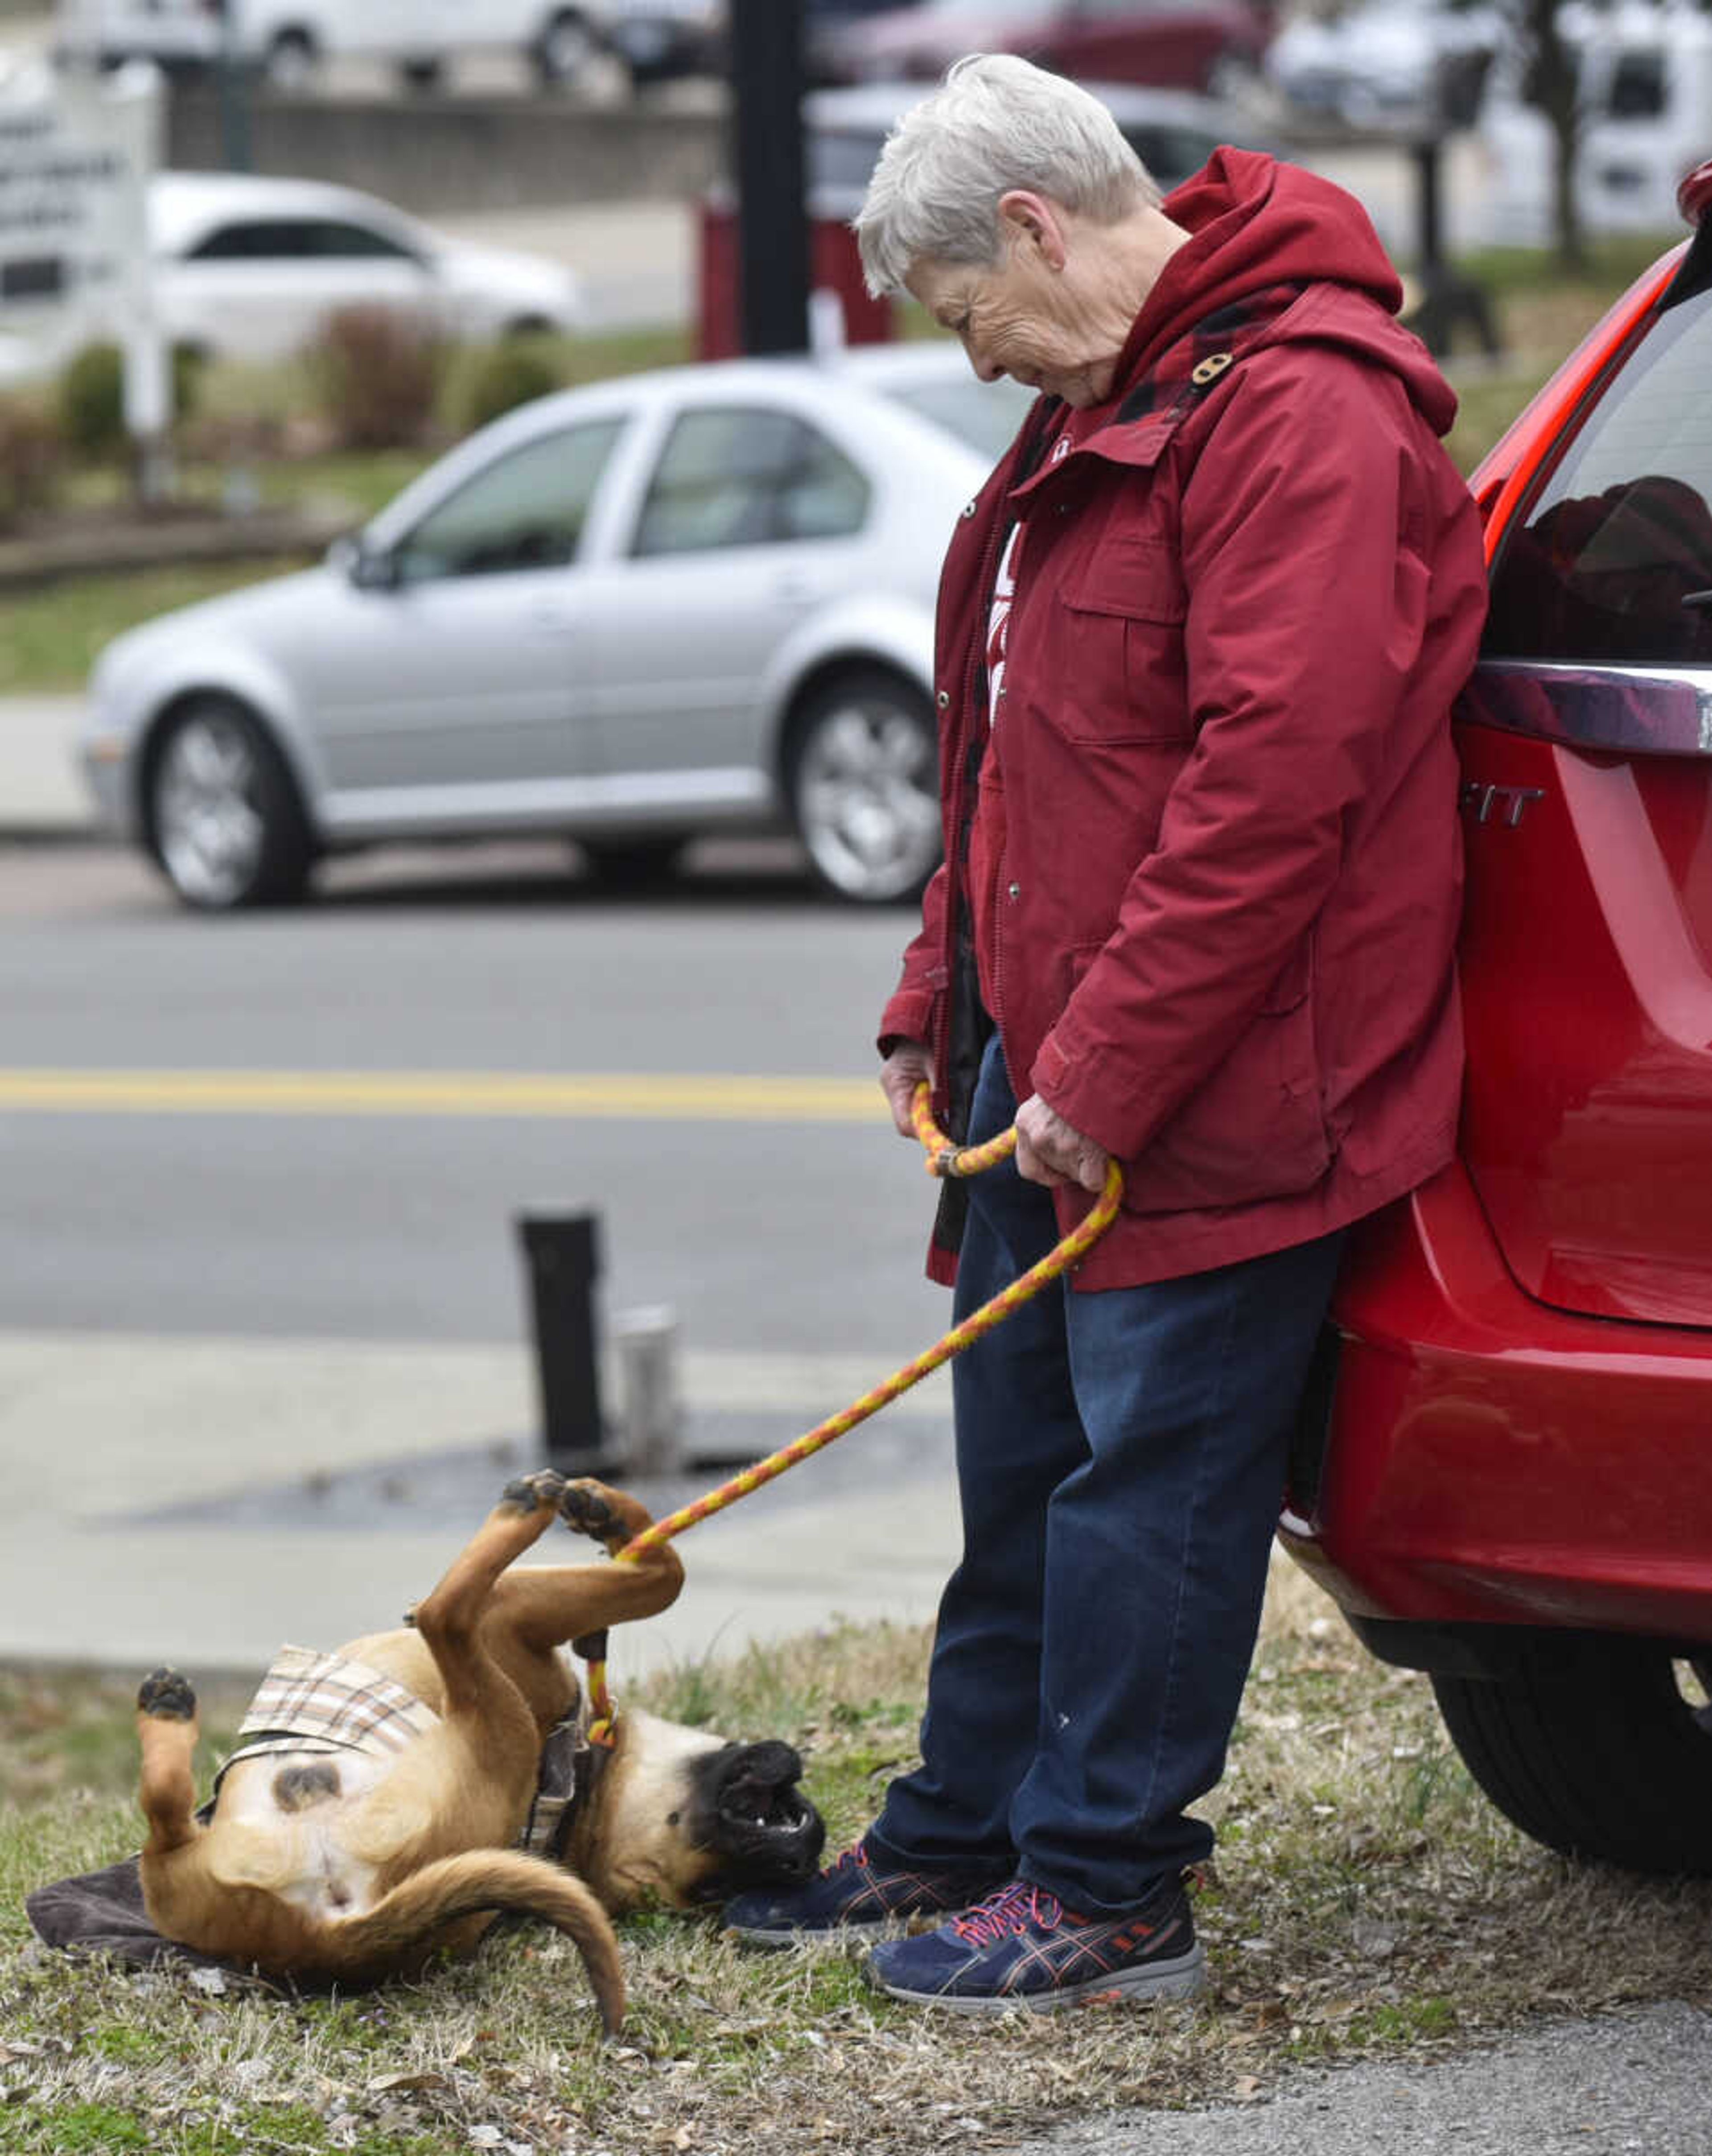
1021, 317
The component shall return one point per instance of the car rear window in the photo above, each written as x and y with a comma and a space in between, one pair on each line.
985, 414
1613, 561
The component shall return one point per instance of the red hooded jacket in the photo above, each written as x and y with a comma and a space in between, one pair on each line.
1217, 870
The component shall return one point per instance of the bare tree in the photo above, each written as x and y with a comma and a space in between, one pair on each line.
1549, 84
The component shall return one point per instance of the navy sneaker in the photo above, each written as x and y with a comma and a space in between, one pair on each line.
854, 1897
1021, 1946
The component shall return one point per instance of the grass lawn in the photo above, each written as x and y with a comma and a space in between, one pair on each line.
1367, 1902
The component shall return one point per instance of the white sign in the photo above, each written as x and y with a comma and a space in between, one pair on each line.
76, 152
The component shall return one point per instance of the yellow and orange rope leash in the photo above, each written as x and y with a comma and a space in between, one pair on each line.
943, 1159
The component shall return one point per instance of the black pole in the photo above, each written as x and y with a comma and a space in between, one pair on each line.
766, 161
564, 1259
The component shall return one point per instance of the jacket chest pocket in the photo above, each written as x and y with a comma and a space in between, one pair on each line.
1112, 647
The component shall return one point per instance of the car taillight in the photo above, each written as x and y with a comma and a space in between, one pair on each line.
1694, 196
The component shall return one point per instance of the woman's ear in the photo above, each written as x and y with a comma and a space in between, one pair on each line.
1027, 219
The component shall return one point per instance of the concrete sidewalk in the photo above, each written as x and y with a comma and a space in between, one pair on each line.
200, 1500
41, 789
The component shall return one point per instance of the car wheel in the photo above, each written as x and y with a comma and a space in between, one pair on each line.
565, 48
1600, 1749
633, 864
225, 820
290, 62
862, 780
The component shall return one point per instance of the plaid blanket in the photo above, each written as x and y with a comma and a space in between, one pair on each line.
316, 1702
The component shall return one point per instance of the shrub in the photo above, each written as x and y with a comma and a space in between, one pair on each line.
508, 375
92, 402
376, 376
91, 397
31, 450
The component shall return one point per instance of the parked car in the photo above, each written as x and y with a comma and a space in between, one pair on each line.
248, 266
659, 40
287, 40
1389, 65
1173, 131
691, 601
1502, 1476
1174, 44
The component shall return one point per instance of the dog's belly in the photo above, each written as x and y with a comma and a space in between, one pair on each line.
298, 1824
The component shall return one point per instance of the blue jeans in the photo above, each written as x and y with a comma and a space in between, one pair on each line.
1121, 1462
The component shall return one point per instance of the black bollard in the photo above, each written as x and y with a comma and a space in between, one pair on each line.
563, 1255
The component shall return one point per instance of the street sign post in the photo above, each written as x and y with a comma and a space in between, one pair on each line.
77, 149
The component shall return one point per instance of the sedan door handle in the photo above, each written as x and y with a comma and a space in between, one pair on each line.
550, 620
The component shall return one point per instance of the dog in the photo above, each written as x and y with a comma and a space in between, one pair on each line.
378, 1829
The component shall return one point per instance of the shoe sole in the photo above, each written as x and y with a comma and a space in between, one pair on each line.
1178, 1979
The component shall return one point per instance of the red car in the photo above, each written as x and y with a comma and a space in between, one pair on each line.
1174, 44
1504, 1476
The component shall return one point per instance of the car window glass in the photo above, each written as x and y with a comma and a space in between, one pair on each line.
1614, 563
525, 511
732, 476
334, 238
1638, 88
296, 239
256, 239
985, 414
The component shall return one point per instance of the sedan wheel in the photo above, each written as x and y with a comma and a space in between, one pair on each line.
566, 46
225, 817
290, 64
864, 787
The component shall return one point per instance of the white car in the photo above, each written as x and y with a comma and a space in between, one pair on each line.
248, 267
287, 40
1383, 64
695, 600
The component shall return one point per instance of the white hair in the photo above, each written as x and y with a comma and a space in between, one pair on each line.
995, 123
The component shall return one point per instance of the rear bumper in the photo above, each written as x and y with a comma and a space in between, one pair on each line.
1486, 1460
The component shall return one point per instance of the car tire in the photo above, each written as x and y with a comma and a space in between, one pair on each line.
1593, 1749
563, 51
633, 864
226, 823
290, 62
862, 778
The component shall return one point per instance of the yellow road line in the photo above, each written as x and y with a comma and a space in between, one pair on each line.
652, 1097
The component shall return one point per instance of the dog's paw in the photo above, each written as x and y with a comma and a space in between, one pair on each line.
528, 1493
166, 1693
584, 1507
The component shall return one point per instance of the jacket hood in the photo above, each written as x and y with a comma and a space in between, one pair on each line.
1254, 225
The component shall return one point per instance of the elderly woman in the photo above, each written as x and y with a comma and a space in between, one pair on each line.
1198, 641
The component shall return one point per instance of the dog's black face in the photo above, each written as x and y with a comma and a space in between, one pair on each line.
746, 1811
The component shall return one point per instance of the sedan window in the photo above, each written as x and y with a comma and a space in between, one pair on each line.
1613, 564
731, 477
297, 239
526, 510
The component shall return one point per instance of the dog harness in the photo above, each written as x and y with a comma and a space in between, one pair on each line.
315, 1702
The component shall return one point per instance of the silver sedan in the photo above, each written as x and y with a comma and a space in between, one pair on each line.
692, 601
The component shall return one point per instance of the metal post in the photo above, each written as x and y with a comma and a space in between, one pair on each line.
650, 1438
772, 221
564, 1261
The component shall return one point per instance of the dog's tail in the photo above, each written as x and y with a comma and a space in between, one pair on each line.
487, 1882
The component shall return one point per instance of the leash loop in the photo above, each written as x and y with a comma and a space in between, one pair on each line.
943, 1159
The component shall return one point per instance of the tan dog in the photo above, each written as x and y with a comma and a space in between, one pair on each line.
327, 1858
